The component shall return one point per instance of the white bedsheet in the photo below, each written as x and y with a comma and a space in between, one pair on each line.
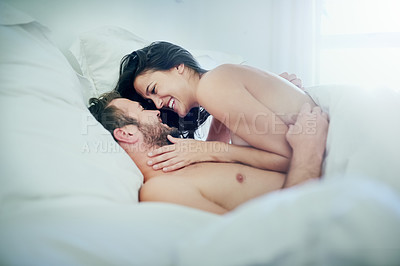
349, 221
85, 231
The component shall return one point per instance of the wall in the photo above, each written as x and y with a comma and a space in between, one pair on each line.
232, 26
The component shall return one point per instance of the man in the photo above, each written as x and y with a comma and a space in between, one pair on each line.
209, 186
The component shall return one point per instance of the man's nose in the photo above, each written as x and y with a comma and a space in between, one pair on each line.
155, 112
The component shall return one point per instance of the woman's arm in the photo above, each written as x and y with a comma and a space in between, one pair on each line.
188, 151
250, 156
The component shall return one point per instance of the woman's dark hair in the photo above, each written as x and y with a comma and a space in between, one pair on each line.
160, 56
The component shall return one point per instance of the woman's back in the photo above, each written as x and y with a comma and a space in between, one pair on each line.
277, 94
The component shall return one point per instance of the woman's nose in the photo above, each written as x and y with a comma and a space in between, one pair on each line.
158, 103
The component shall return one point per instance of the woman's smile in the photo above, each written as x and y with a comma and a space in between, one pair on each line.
171, 103
167, 89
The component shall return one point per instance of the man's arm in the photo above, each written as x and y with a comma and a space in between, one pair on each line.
307, 139
169, 189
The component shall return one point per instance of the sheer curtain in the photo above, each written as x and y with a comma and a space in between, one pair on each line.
295, 38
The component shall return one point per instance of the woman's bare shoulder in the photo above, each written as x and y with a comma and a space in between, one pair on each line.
233, 72
225, 69
220, 74
217, 78
216, 84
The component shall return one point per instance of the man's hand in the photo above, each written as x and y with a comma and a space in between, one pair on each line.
309, 133
307, 137
293, 79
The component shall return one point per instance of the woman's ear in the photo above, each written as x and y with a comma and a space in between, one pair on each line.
127, 134
180, 68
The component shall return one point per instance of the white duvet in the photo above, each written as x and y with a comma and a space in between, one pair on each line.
68, 195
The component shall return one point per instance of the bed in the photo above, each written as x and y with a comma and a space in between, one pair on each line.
69, 194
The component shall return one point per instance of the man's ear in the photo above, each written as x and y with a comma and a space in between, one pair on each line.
126, 135
180, 68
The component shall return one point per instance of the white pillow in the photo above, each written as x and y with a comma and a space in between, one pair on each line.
99, 53
51, 146
12, 16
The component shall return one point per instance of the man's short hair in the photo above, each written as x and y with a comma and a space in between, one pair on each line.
108, 115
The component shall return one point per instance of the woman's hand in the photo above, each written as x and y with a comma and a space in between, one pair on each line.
181, 153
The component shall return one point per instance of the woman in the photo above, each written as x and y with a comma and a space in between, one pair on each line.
254, 107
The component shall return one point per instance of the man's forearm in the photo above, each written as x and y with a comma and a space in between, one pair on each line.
307, 137
304, 166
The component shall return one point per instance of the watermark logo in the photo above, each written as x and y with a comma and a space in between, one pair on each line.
101, 147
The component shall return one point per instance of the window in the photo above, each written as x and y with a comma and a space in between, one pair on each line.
360, 42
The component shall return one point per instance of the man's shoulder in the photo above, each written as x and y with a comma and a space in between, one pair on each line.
160, 180
164, 186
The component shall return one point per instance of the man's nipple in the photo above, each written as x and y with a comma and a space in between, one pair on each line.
240, 178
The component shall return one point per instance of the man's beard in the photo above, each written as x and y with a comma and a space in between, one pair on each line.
156, 134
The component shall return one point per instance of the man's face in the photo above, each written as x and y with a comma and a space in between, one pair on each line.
135, 110
154, 131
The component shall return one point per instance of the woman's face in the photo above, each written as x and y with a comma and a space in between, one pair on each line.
167, 89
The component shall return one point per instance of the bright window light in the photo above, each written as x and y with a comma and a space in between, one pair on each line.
360, 42
360, 16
